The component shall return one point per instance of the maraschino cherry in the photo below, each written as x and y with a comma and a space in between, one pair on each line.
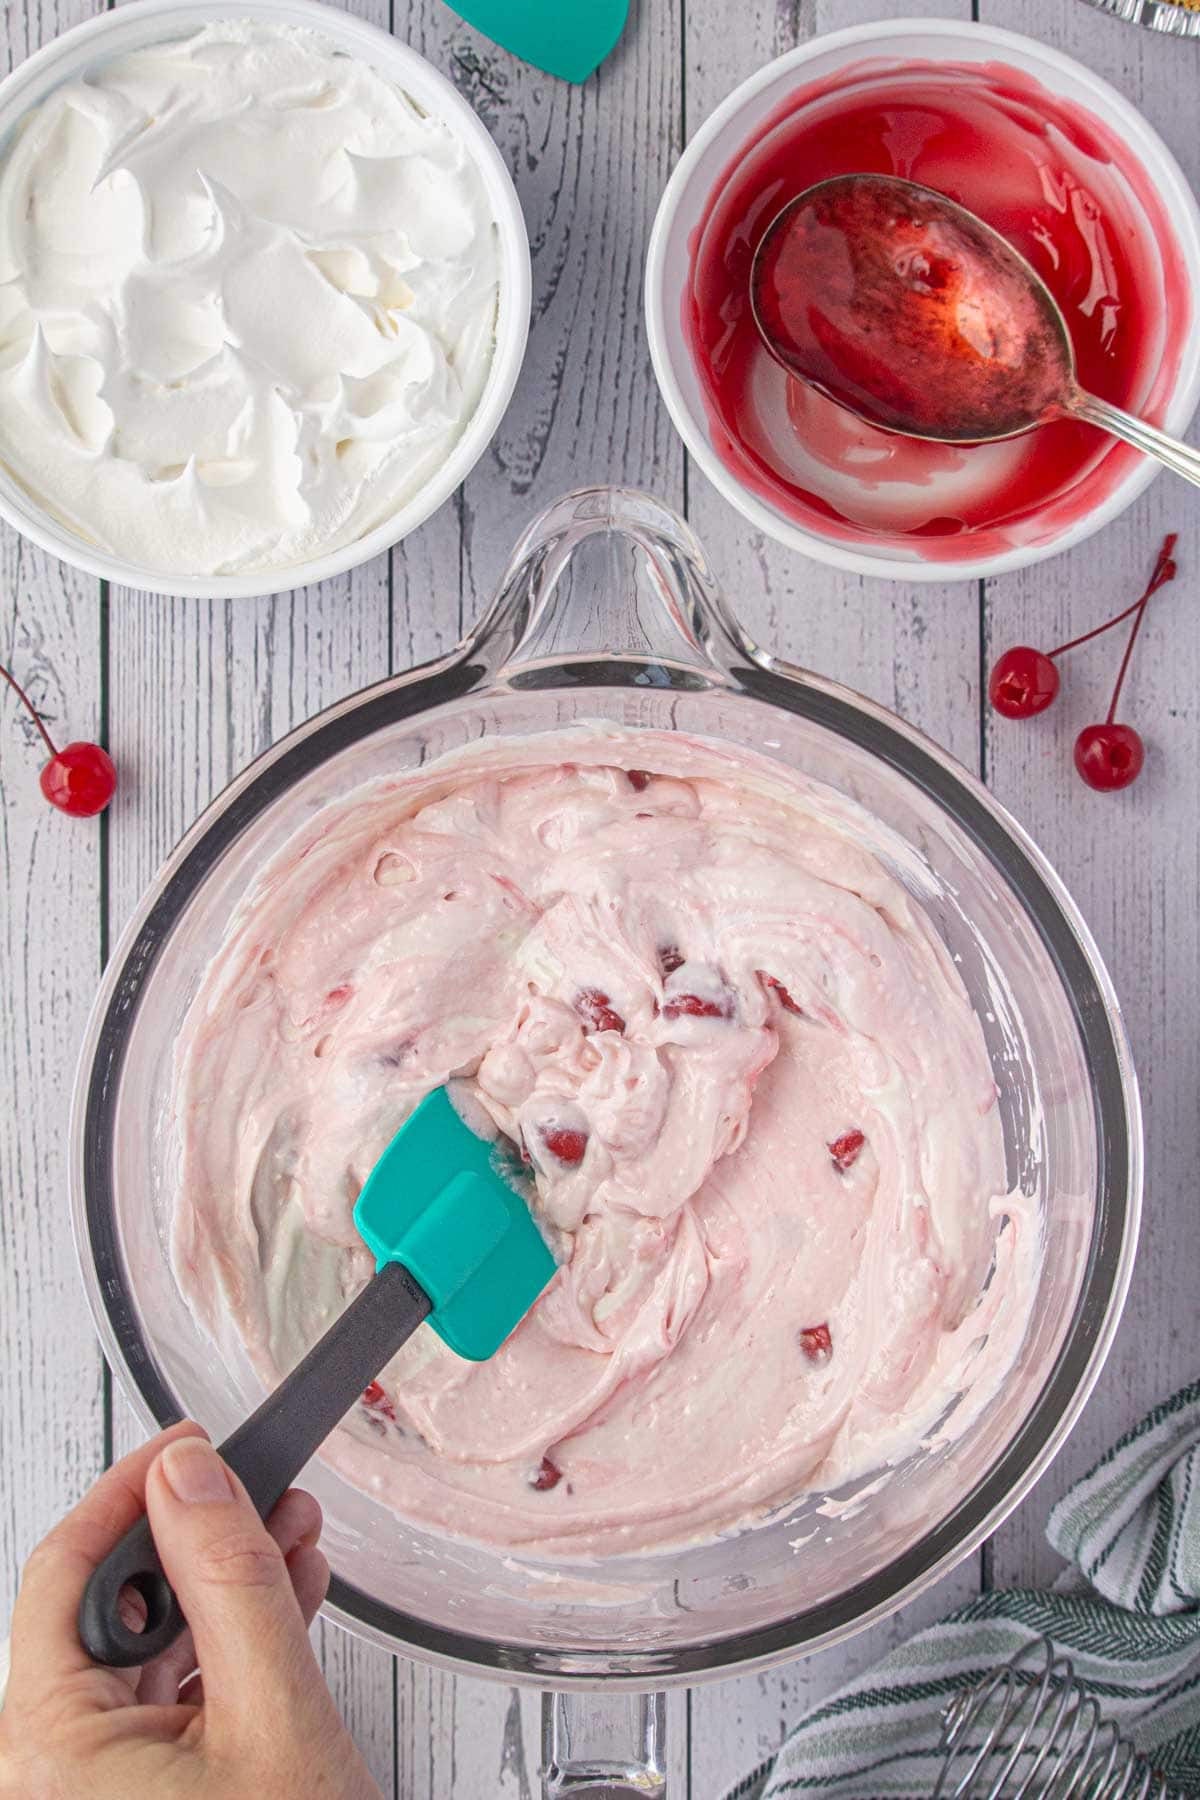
1024, 682
1110, 756
80, 778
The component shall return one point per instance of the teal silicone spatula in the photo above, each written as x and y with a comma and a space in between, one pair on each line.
569, 38
454, 1243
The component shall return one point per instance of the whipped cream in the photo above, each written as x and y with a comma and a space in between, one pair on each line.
758, 1108
248, 296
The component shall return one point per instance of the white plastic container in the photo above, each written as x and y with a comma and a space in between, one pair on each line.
736, 122
132, 27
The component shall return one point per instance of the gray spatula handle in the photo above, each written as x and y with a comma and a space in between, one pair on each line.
267, 1452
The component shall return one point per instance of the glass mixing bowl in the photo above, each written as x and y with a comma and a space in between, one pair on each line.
610, 612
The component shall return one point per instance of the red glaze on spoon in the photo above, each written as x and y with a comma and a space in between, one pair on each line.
908, 310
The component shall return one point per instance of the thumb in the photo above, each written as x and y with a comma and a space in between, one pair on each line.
252, 1644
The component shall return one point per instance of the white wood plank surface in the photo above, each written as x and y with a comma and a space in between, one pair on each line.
51, 1402
1129, 859
52, 1424
192, 691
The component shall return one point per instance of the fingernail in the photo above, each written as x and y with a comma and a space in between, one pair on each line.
195, 1473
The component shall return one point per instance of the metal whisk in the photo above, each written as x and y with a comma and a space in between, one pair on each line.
1031, 1731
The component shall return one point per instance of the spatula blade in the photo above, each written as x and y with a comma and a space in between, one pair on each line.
569, 40
447, 1204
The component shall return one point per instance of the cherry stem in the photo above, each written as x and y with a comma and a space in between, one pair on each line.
30, 708
1164, 571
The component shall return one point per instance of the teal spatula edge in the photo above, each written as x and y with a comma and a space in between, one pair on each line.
567, 38
440, 1201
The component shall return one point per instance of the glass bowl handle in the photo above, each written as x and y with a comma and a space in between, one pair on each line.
608, 573
603, 1745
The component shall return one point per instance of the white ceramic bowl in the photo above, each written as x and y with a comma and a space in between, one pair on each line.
141, 22
736, 122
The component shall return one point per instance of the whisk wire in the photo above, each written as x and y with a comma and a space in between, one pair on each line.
1031, 1731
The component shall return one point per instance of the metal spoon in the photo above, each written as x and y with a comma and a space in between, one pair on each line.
911, 312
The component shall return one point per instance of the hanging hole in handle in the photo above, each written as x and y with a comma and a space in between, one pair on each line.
145, 1602
107, 1631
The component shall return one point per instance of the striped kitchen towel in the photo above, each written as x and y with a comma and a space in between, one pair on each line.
1126, 1612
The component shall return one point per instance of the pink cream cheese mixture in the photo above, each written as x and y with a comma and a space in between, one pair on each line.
754, 1096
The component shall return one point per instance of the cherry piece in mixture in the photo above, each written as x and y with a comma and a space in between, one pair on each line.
597, 1012
547, 1476
377, 1400
717, 1005
697, 1006
816, 1343
845, 1150
781, 994
566, 1143
79, 779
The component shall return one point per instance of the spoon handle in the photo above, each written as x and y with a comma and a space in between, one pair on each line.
1180, 457
266, 1452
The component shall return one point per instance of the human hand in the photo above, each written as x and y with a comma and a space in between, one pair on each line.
256, 1719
